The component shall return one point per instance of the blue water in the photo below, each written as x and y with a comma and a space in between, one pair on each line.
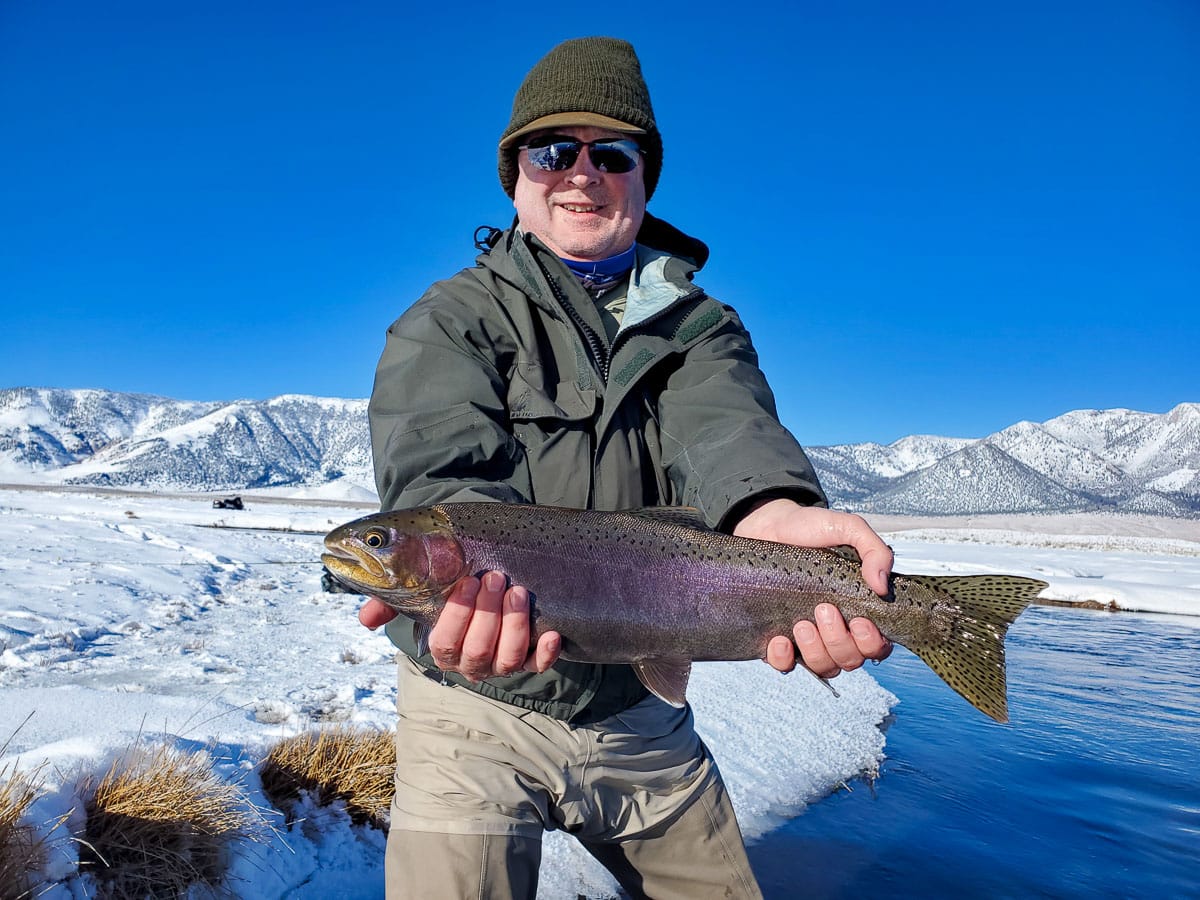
1092, 790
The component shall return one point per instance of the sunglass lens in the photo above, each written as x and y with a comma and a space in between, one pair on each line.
555, 157
617, 157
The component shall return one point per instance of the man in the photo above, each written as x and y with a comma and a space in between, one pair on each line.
576, 364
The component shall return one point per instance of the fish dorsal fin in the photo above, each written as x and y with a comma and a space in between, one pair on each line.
666, 679
687, 516
845, 551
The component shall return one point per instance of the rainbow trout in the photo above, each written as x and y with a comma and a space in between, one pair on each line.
655, 588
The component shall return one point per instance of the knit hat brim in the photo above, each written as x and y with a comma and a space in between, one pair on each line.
566, 120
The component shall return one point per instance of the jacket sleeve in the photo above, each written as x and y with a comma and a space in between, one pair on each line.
438, 417
723, 445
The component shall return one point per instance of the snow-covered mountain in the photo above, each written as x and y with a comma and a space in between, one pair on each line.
139, 440
1116, 459
1113, 459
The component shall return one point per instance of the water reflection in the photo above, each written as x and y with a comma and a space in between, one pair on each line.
1092, 790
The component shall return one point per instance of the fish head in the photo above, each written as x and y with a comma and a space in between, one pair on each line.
407, 558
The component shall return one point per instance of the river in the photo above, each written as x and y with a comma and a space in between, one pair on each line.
1092, 790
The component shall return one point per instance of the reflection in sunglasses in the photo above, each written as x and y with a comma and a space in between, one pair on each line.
557, 154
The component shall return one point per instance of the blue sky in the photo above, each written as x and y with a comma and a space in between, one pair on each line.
934, 217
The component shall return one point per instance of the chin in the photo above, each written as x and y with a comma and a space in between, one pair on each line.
591, 246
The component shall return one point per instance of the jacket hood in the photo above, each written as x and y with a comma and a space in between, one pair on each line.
664, 236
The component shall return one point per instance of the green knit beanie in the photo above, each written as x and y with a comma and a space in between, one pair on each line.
585, 81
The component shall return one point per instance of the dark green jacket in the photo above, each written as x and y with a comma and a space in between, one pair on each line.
500, 384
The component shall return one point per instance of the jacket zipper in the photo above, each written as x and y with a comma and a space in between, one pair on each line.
595, 345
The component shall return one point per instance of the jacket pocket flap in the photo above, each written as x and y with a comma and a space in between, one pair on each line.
564, 401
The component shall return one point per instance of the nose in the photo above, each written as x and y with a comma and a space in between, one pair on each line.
584, 172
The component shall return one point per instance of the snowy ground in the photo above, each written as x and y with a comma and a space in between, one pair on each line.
134, 614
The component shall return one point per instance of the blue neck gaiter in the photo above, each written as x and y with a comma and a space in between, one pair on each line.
602, 273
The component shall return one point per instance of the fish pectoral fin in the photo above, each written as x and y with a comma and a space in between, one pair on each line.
665, 678
421, 635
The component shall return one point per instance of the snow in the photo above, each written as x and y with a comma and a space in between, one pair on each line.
132, 614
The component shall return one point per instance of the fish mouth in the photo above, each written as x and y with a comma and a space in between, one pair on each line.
355, 566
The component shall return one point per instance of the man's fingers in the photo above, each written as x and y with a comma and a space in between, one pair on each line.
479, 643
877, 557
812, 526
839, 643
375, 612
513, 646
870, 641
877, 564
830, 646
781, 654
812, 650
445, 640
545, 654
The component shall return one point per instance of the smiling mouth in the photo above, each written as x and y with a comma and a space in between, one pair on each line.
581, 207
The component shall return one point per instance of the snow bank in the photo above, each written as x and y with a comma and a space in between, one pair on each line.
126, 615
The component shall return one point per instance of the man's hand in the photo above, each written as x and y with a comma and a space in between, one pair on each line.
828, 647
482, 631
375, 612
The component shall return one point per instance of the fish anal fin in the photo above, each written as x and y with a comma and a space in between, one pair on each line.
666, 679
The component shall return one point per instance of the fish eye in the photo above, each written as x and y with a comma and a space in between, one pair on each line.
375, 539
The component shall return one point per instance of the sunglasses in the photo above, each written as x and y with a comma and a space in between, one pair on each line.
557, 153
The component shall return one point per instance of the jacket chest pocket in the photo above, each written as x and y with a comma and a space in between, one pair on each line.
555, 424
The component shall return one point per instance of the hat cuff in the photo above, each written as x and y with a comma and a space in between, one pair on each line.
568, 119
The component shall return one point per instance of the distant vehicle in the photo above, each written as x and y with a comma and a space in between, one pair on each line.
228, 503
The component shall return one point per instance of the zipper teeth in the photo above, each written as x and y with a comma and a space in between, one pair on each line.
593, 341
603, 359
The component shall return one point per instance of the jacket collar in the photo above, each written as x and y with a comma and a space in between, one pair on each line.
666, 263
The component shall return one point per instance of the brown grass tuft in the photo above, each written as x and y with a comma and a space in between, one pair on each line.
352, 764
22, 848
161, 821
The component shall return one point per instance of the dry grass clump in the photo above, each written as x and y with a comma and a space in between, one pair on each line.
22, 848
161, 821
352, 764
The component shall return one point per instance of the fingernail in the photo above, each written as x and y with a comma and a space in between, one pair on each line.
860, 629
827, 615
553, 648
519, 601
808, 631
495, 581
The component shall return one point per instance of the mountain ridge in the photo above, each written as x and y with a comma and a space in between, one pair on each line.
1116, 460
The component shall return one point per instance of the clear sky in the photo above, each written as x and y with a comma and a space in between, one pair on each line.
935, 217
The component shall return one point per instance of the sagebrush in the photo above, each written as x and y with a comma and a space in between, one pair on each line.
160, 822
353, 765
22, 847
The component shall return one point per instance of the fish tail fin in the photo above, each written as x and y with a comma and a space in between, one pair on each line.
970, 658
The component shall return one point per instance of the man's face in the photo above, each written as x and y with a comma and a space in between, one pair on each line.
582, 212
